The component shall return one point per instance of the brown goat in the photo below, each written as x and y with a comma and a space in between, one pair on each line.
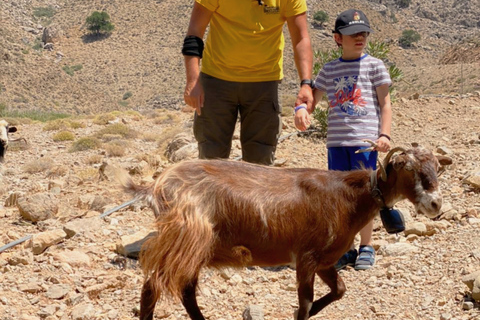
218, 213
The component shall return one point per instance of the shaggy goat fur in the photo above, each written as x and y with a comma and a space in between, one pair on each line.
218, 213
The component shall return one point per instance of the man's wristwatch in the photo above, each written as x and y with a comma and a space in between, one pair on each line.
309, 82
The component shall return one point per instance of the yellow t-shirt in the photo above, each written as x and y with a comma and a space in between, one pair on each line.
245, 42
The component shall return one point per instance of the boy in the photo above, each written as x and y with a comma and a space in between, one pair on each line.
356, 86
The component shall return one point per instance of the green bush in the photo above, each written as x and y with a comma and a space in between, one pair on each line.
44, 12
403, 3
320, 17
63, 136
408, 38
127, 95
70, 70
99, 22
85, 143
320, 114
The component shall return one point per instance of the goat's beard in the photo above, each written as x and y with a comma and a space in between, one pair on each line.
425, 206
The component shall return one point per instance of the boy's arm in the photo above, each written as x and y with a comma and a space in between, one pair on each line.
302, 118
383, 96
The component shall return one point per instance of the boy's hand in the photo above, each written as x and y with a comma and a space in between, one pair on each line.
382, 144
302, 119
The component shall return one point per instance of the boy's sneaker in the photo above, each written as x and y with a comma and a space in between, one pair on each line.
348, 259
366, 258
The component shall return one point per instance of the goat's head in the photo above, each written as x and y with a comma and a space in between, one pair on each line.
416, 178
4, 130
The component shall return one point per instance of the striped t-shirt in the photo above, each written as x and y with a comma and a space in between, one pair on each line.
354, 112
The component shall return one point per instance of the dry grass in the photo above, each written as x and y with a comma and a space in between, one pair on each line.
94, 159
117, 129
150, 137
167, 136
39, 165
88, 174
57, 171
104, 118
85, 143
114, 149
63, 136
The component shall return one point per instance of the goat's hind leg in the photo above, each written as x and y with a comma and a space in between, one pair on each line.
337, 289
189, 301
147, 301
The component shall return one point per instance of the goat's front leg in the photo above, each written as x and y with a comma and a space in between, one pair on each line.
189, 301
305, 281
337, 289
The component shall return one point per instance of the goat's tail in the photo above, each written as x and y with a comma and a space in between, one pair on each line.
173, 258
140, 192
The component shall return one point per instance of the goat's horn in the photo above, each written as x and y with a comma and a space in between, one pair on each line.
383, 172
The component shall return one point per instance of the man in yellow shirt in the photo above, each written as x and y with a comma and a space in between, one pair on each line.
241, 67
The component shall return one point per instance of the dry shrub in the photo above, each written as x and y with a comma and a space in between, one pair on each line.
114, 150
104, 118
149, 136
155, 161
166, 136
57, 124
166, 117
117, 129
57, 171
63, 136
89, 174
94, 159
39, 165
13, 121
85, 143
111, 137
77, 124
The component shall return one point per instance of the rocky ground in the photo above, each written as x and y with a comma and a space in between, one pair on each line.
72, 268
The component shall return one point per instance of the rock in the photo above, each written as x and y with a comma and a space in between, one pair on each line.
476, 289
470, 279
417, 228
38, 207
83, 311
74, 258
443, 150
79, 226
473, 179
51, 34
58, 291
398, 249
253, 312
130, 245
43, 240
24, 257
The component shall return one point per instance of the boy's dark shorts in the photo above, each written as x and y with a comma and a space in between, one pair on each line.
260, 118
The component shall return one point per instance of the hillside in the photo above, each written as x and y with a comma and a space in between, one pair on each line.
142, 56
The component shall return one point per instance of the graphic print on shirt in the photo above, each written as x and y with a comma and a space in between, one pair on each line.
348, 97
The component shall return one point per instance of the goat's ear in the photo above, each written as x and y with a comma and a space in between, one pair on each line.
12, 129
444, 160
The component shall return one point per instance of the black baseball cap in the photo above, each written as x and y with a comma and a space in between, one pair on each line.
352, 21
